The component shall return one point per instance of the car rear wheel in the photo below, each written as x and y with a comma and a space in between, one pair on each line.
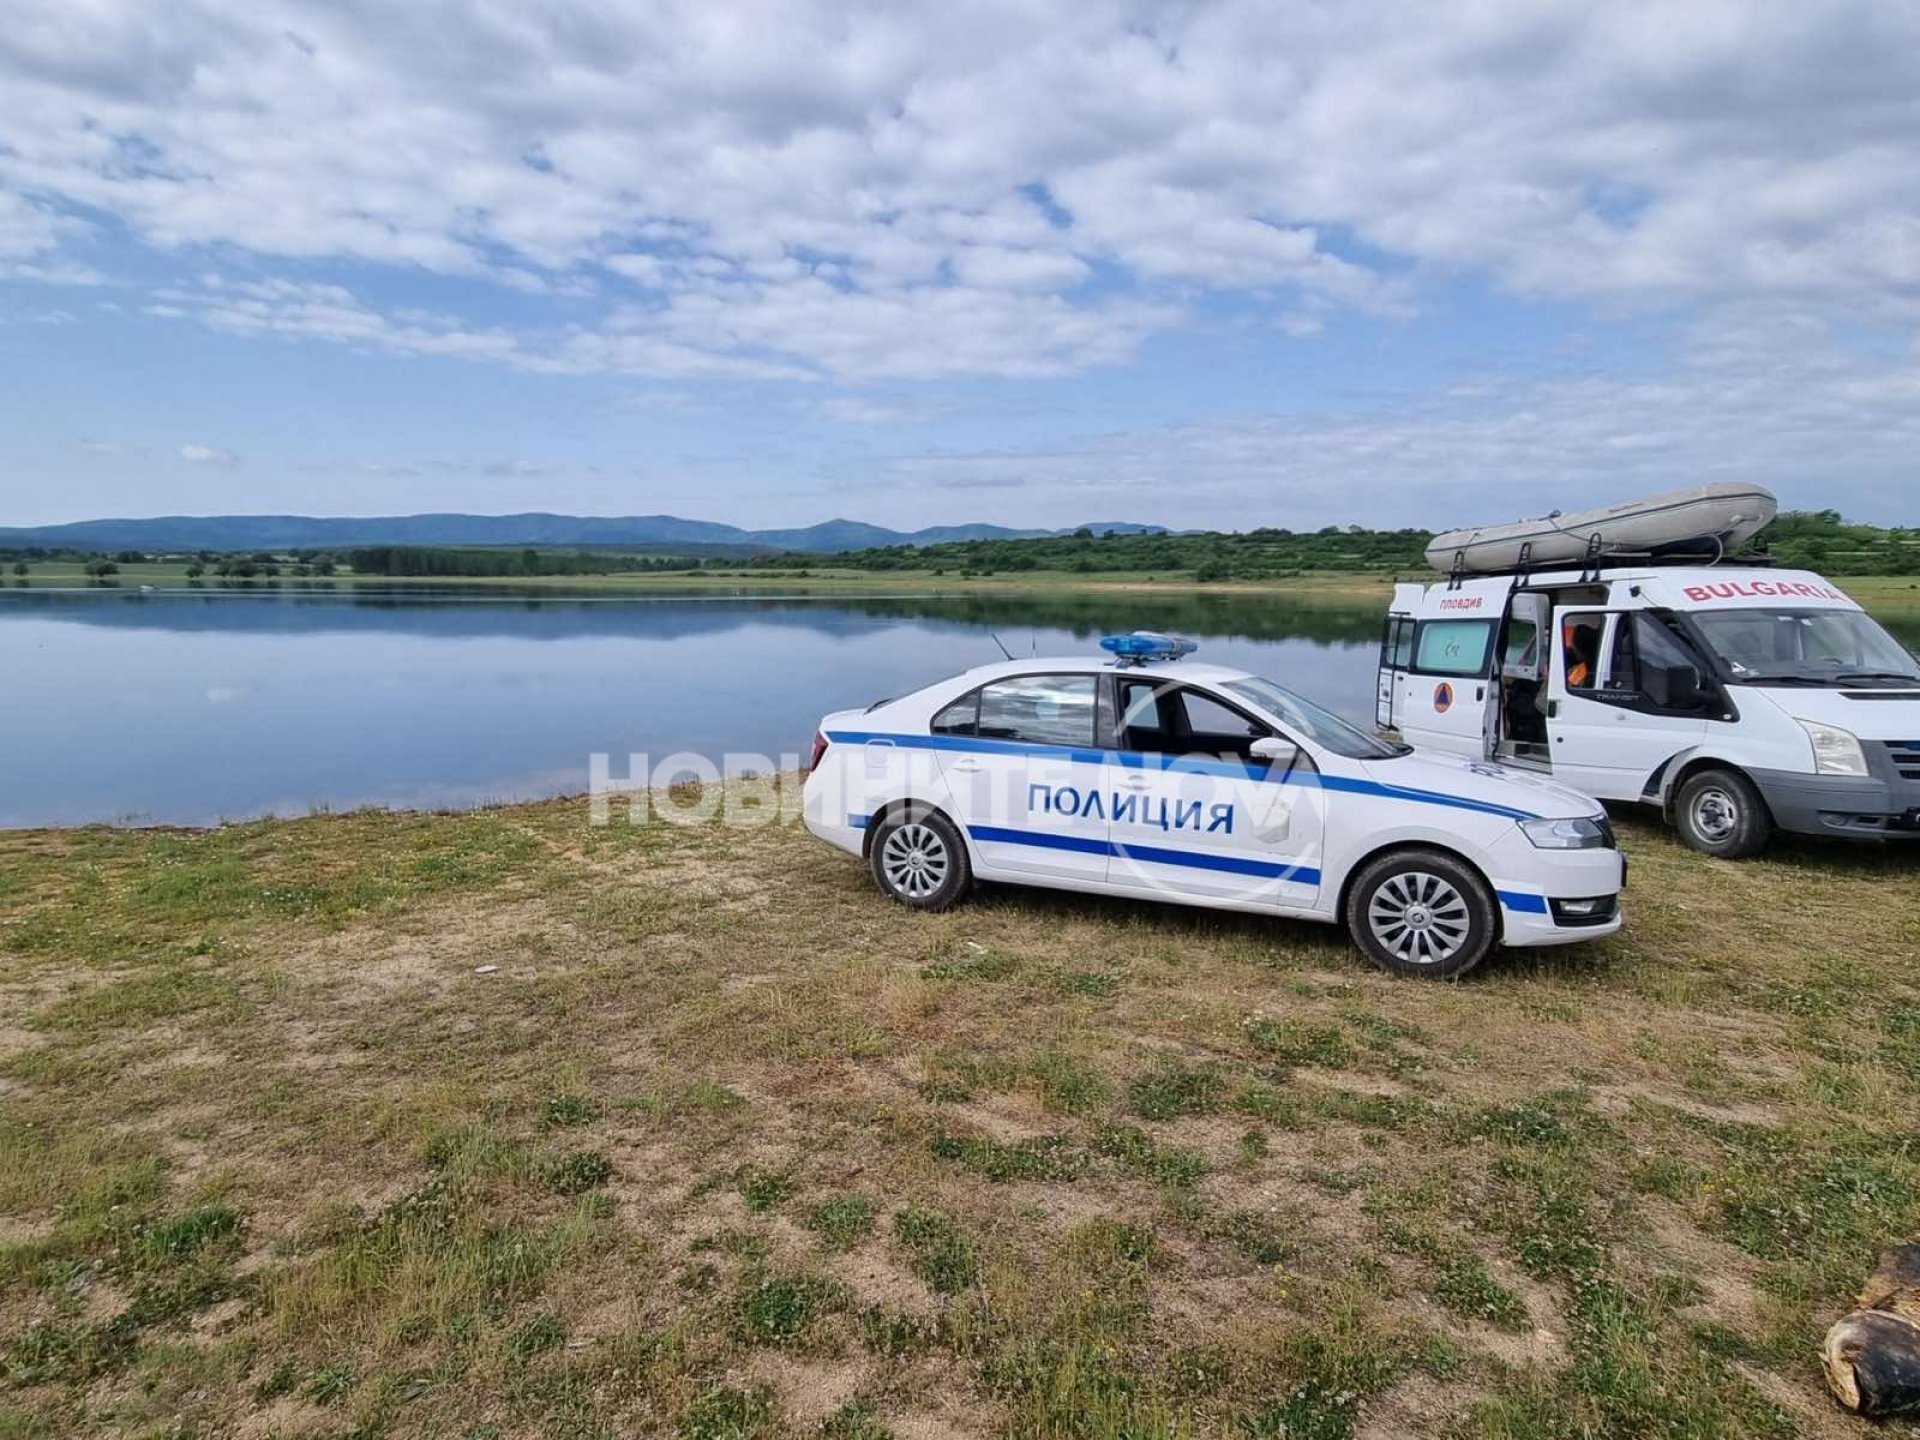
1720, 813
1422, 912
919, 859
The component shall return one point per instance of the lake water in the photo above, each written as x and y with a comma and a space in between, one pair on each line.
191, 707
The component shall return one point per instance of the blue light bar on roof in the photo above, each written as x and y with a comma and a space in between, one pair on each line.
1144, 645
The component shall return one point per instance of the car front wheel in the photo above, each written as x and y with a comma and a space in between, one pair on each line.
919, 859
1422, 912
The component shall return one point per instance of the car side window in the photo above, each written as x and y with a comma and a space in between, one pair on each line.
1037, 709
962, 717
1140, 727
1207, 716
1157, 718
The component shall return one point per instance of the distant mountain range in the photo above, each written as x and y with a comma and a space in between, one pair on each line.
627, 532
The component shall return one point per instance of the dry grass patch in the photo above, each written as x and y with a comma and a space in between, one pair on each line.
498, 1124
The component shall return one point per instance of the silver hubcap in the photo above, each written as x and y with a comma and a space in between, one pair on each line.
1419, 917
1715, 815
914, 860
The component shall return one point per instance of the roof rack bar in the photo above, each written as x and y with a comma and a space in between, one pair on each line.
1591, 566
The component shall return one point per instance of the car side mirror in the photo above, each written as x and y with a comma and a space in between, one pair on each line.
1275, 750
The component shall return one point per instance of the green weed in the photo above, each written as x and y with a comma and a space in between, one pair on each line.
938, 1250
841, 1221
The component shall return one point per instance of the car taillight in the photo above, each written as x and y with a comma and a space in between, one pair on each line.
819, 751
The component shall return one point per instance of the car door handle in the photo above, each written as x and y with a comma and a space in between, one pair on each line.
1135, 782
966, 767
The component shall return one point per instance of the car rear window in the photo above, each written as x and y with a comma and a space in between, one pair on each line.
1033, 709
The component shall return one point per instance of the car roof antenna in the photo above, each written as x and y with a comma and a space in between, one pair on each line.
1003, 649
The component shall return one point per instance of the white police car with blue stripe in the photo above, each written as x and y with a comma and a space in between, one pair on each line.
1149, 775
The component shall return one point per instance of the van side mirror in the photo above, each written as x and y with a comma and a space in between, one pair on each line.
1276, 751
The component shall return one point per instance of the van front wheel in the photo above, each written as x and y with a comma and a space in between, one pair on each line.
1422, 912
1720, 813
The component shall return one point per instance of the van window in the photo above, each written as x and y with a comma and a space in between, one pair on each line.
1522, 638
1397, 644
1829, 647
1038, 709
1580, 649
1453, 647
1645, 652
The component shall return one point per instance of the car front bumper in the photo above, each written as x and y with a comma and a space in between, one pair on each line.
1536, 910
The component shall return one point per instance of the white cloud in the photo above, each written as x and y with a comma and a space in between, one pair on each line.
1759, 394
862, 189
208, 455
303, 310
855, 409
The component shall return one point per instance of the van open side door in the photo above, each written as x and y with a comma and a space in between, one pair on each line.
1512, 725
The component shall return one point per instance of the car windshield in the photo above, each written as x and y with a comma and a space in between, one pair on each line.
1323, 727
1803, 647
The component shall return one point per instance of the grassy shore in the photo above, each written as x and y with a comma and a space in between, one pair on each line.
1363, 589
495, 1124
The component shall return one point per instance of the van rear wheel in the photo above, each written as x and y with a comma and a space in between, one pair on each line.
1422, 912
1720, 813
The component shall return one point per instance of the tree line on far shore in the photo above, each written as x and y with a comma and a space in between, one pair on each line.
1804, 539
1807, 539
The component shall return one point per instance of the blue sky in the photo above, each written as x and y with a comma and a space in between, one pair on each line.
1221, 265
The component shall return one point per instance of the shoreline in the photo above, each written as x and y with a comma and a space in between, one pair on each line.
1875, 592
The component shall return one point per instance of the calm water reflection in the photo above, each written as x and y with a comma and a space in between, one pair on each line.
192, 707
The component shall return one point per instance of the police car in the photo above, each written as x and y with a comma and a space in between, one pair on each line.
1147, 774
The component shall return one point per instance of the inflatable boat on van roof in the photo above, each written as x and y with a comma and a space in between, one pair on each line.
1703, 522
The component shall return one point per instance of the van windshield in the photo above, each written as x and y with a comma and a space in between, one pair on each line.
1803, 647
1323, 727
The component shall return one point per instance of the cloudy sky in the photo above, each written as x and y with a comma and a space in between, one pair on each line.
1199, 264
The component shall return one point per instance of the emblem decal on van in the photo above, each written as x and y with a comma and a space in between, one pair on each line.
1443, 697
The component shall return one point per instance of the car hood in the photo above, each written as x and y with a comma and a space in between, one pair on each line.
1481, 783
1871, 714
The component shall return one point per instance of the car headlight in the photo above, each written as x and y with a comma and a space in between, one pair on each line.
1581, 833
1835, 751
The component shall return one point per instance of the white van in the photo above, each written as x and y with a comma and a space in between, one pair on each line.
1739, 700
